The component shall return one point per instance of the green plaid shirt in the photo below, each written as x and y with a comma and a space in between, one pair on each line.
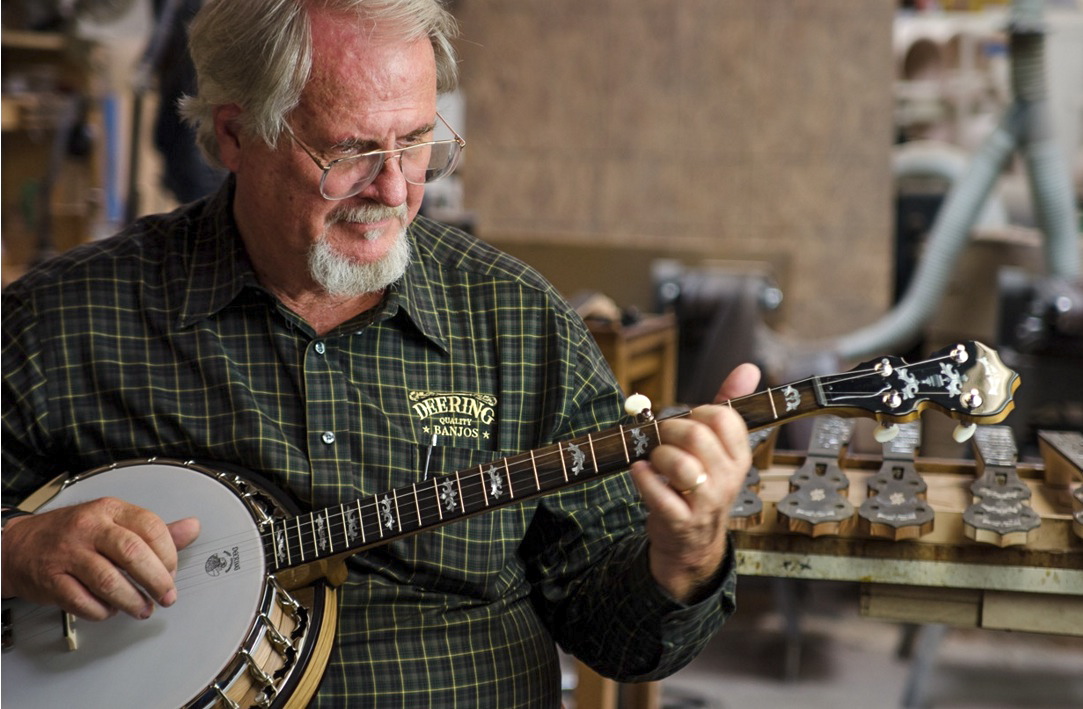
161, 342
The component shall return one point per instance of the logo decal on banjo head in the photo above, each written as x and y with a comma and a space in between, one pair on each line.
223, 562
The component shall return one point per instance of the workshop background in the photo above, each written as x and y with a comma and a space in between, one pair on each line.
711, 181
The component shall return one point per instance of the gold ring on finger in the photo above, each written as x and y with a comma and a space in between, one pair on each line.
699, 481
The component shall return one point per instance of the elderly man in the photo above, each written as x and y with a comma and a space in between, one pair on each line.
306, 323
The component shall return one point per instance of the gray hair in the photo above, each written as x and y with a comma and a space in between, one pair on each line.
258, 55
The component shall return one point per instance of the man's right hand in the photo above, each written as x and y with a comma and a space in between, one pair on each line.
95, 558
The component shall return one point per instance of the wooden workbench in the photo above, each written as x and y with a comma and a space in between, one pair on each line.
943, 576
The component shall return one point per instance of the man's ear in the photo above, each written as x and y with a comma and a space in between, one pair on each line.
227, 128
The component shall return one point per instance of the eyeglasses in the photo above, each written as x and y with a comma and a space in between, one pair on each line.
420, 163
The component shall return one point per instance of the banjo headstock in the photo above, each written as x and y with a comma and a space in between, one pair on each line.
967, 381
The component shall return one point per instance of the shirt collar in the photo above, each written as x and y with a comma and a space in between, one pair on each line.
413, 295
213, 264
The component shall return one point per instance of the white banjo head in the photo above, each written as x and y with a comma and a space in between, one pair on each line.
167, 660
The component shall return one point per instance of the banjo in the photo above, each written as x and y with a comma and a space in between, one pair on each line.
255, 618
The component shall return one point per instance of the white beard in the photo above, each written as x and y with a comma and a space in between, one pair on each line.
340, 276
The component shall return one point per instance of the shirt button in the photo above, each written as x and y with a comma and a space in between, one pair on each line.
320, 348
328, 437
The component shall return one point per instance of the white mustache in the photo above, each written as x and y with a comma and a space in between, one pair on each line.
367, 214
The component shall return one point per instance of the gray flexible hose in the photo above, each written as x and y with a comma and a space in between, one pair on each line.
1026, 124
946, 240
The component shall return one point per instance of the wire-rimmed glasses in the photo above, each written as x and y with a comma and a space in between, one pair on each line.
420, 163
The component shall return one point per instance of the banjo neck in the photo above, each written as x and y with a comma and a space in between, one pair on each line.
966, 381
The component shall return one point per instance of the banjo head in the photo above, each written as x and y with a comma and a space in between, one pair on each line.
168, 659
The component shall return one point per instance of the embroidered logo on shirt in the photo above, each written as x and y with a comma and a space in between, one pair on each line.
455, 415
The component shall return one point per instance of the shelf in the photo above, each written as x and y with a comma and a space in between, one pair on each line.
51, 80
643, 356
36, 41
31, 111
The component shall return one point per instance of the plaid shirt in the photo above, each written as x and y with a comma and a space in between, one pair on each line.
161, 342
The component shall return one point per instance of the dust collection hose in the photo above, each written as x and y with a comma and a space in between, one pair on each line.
1026, 126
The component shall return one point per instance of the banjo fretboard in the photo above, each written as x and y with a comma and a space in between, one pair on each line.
966, 381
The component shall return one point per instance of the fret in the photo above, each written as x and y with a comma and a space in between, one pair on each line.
537, 483
288, 541
417, 505
593, 457
753, 408
563, 463
495, 483
349, 526
398, 515
447, 495
470, 481
436, 496
300, 540
287, 536
276, 549
554, 476
341, 519
481, 478
270, 549
361, 522
818, 391
546, 471
511, 488
281, 541
642, 443
376, 507
327, 531
464, 478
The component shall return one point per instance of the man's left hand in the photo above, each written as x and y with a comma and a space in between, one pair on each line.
689, 486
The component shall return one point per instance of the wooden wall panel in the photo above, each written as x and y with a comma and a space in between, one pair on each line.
708, 128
